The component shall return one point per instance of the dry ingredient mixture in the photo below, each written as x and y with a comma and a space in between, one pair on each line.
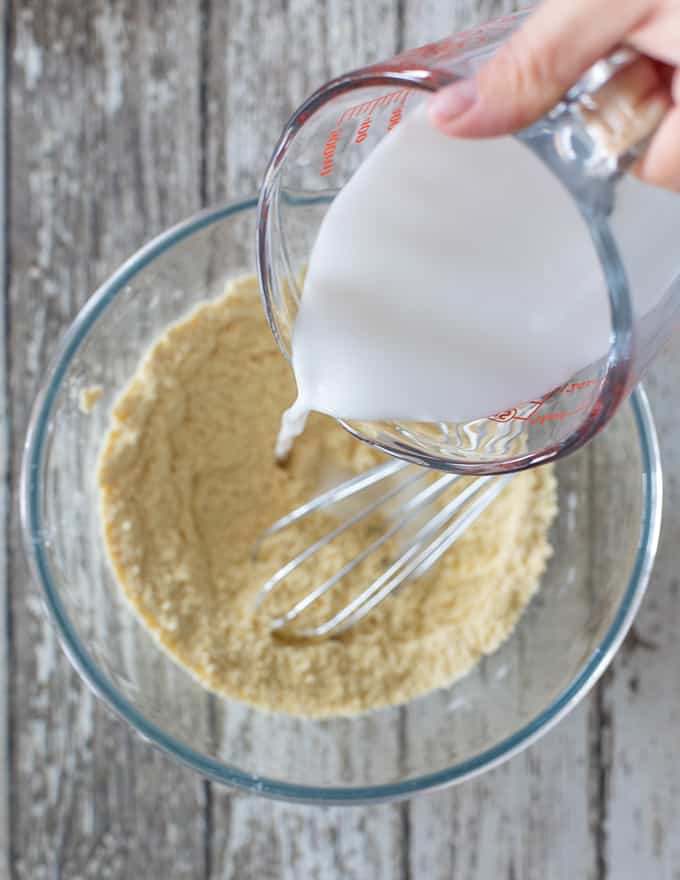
189, 481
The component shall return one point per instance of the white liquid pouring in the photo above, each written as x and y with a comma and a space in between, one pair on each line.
450, 280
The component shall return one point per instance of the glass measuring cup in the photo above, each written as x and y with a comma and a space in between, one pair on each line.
587, 141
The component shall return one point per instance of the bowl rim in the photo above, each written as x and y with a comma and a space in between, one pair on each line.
37, 443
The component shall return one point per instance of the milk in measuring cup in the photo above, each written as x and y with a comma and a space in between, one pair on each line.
450, 280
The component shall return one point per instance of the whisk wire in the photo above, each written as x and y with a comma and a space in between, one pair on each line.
414, 561
334, 533
333, 496
409, 511
422, 550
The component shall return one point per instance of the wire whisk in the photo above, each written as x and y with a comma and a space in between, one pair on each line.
417, 554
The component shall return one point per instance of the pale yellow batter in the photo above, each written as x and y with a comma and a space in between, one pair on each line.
189, 481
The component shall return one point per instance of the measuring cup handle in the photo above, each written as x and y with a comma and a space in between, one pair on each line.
619, 104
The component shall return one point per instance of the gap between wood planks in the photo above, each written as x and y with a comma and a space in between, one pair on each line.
5, 488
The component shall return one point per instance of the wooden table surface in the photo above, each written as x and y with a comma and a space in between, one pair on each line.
122, 117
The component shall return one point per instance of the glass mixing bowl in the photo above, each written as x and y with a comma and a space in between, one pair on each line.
604, 538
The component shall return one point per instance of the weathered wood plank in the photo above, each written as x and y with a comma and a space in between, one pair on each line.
630, 740
5, 648
530, 818
268, 841
264, 59
104, 140
527, 819
641, 696
431, 20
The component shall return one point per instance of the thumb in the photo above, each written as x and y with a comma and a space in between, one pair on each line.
533, 70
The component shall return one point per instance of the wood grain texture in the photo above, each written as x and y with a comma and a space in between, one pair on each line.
105, 141
429, 20
263, 60
4, 472
640, 697
126, 115
531, 818
526, 819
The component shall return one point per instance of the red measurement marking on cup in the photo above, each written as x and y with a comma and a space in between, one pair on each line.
395, 118
529, 412
366, 110
425, 56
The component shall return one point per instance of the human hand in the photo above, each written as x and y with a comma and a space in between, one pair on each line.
548, 54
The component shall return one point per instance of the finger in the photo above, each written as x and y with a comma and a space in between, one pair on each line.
534, 69
627, 108
660, 164
659, 34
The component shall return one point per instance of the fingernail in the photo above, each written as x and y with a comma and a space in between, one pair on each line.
452, 101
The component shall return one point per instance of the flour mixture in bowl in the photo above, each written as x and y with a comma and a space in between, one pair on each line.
189, 481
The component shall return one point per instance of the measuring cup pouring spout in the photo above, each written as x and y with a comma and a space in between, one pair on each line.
571, 227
